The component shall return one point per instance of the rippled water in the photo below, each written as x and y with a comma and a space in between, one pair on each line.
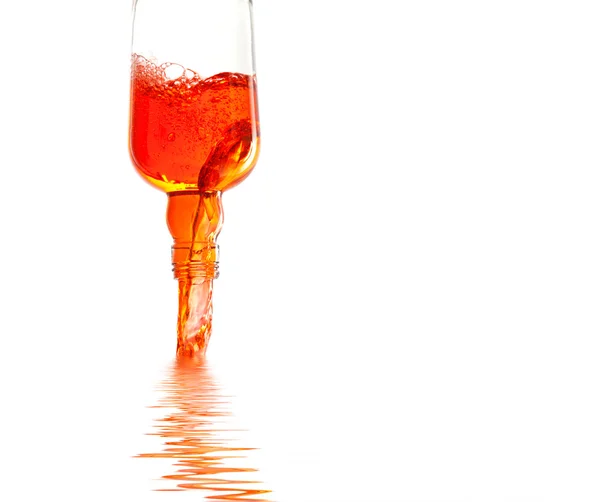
208, 453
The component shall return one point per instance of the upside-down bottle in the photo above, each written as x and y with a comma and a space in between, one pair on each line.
194, 132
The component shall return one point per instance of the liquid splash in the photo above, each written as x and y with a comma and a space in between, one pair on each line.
206, 452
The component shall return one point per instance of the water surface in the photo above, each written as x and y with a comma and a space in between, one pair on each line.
200, 437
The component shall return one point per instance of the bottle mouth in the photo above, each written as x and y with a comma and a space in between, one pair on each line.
195, 260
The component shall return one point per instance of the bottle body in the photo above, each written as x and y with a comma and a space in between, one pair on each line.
194, 117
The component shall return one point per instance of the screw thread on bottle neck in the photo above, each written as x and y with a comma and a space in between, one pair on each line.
204, 264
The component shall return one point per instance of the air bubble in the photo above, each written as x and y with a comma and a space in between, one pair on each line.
171, 136
174, 71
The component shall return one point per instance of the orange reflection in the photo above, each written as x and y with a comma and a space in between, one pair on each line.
199, 439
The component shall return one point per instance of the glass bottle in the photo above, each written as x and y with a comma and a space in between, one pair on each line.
194, 133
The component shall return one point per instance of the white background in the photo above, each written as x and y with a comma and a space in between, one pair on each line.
408, 306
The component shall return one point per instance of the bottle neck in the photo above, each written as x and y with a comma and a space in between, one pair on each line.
194, 220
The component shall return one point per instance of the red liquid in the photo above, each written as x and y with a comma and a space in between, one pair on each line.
190, 133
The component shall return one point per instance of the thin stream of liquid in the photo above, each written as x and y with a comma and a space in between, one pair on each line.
206, 451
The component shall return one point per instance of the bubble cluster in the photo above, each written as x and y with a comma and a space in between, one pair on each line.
167, 78
177, 82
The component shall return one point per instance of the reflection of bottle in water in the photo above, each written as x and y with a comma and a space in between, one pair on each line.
198, 436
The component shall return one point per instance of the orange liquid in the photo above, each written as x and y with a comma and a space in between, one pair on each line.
193, 138
192, 133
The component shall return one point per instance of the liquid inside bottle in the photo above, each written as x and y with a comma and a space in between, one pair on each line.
189, 132
193, 138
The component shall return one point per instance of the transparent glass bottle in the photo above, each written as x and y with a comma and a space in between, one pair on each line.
194, 132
